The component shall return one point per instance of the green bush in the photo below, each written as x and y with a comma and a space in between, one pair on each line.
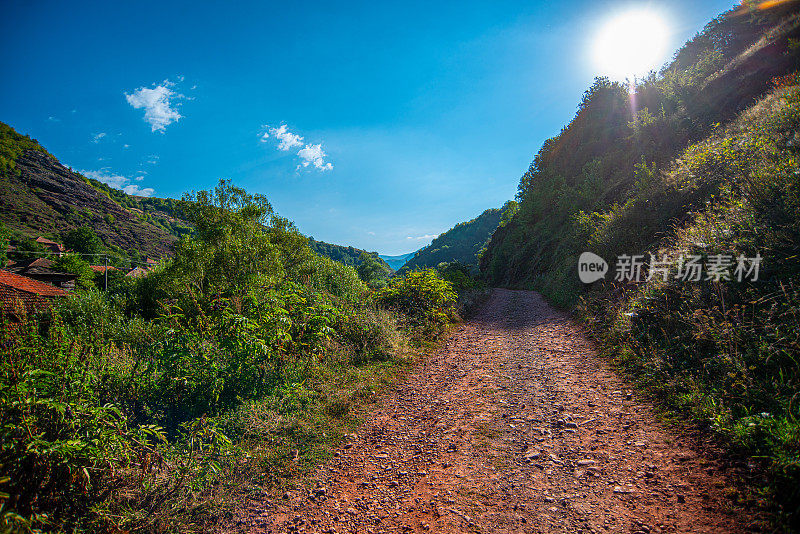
70, 460
423, 296
72, 263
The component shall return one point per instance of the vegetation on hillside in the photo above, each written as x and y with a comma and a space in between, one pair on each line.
685, 165
12, 146
464, 242
159, 212
39, 196
347, 255
234, 365
372, 270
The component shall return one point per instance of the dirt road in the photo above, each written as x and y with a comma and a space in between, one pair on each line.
514, 425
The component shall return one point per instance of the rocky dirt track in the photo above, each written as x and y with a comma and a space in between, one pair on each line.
514, 425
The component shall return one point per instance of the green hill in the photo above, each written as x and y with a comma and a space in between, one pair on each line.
342, 254
463, 242
699, 163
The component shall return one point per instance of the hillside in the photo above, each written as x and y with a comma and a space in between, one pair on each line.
347, 255
598, 158
695, 174
463, 242
39, 196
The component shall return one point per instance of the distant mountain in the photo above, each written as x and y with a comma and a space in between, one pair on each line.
463, 242
395, 262
40, 196
347, 255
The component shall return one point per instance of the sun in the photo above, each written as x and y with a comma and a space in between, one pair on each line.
630, 44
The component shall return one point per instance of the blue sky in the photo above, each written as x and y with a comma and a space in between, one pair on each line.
414, 116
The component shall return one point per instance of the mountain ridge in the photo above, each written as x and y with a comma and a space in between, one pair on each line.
463, 242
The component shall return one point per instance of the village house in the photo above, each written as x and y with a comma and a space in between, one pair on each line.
41, 269
137, 272
21, 296
100, 269
56, 248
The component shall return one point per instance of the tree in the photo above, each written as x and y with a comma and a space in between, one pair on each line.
239, 242
72, 263
83, 240
26, 248
371, 271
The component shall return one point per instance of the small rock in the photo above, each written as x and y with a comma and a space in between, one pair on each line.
532, 454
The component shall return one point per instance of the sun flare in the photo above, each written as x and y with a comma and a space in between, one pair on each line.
630, 44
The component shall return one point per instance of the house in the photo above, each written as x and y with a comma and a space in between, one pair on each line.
138, 272
100, 269
51, 246
41, 269
21, 296
10, 250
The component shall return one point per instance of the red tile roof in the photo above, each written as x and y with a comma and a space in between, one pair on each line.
24, 265
45, 241
136, 272
21, 296
29, 285
102, 268
56, 247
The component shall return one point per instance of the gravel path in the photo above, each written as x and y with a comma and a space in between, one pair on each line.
514, 425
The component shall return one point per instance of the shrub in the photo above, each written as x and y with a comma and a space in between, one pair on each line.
72, 263
423, 296
83, 240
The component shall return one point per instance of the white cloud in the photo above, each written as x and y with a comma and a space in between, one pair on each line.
53, 119
98, 136
117, 181
288, 140
134, 190
309, 154
126, 145
160, 110
314, 155
421, 237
